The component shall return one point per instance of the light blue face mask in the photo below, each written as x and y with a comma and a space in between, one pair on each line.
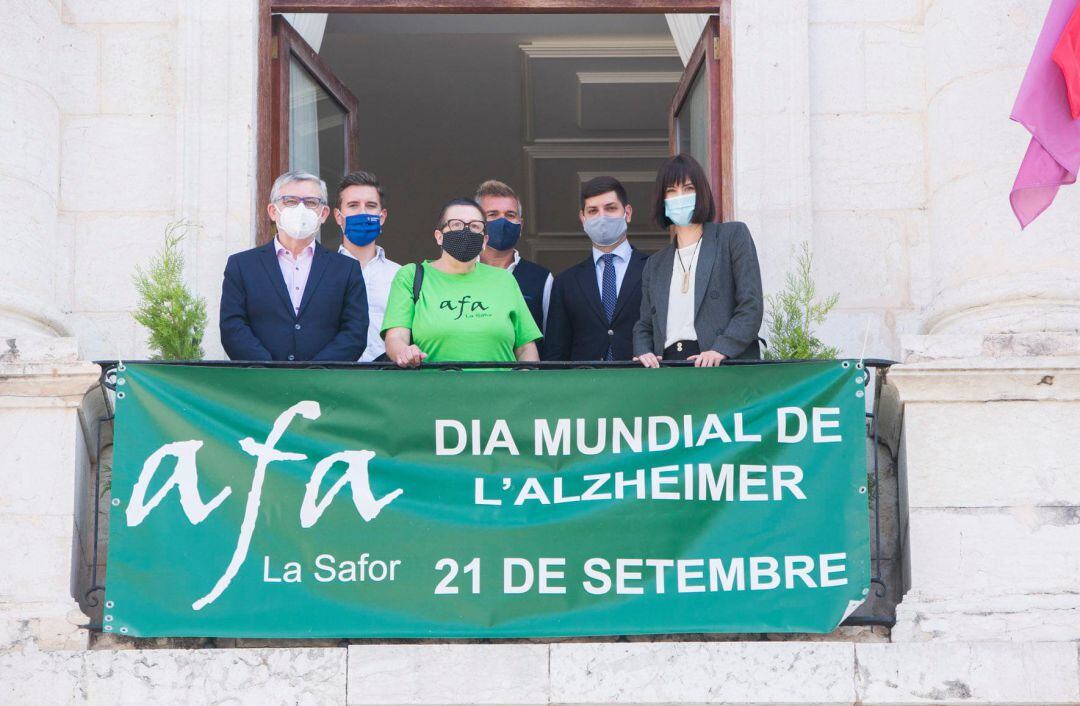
680, 209
605, 230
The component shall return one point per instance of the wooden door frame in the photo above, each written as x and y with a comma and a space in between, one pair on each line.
264, 130
291, 43
713, 55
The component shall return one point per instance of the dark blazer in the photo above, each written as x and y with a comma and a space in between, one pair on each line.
532, 279
257, 319
576, 326
727, 294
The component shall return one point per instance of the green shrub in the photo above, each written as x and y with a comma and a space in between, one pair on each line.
793, 313
174, 317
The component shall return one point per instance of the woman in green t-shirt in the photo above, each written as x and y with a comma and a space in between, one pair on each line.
466, 311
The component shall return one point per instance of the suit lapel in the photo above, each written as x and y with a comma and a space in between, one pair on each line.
319, 262
710, 249
589, 288
631, 280
661, 287
269, 260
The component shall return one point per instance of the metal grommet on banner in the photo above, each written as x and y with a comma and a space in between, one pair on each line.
862, 490
108, 628
859, 393
121, 381
108, 618
110, 604
120, 366
116, 502
859, 380
845, 365
123, 630
120, 395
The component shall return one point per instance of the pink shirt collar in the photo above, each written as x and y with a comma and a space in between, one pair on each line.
295, 270
309, 249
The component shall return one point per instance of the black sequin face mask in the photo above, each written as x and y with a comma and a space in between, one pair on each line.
462, 245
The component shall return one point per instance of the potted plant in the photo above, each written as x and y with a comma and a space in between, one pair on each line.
795, 311
173, 315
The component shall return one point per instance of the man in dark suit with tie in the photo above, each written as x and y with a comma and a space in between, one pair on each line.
293, 299
595, 303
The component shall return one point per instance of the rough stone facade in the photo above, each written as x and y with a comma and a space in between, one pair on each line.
877, 129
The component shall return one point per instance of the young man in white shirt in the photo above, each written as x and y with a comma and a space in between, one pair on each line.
361, 215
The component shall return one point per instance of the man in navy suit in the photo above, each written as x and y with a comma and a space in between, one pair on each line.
595, 303
293, 299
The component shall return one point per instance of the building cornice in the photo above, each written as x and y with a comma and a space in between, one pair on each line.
988, 380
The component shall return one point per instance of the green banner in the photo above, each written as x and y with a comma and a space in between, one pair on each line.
274, 502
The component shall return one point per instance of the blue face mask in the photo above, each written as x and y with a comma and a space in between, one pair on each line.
503, 234
680, 209
362, 228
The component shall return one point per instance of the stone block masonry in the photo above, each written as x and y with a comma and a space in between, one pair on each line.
822, 674
875, 129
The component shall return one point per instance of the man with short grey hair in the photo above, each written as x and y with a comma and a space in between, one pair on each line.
502, 211
293, 299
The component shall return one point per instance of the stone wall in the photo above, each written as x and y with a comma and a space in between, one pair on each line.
868, 136
818, 674
875, 129
878, 132
992, 492
29, 167
117, 146
127, 116
41, 444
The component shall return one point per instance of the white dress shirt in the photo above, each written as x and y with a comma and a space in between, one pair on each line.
378, 274
547, 284
621, 262
680, 313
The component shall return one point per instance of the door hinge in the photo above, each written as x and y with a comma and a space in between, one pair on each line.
273, 48
717, 47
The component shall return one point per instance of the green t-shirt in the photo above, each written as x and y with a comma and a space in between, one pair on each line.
479, 316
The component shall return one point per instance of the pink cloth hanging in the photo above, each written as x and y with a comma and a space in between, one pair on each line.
1067, 57
1042, 106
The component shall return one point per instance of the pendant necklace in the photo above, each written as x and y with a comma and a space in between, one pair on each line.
686, 270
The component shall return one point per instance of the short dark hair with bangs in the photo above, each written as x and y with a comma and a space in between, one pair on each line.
676, 171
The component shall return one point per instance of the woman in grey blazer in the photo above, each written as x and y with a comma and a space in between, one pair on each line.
700, 295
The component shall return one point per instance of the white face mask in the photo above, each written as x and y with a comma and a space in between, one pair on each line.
298, 221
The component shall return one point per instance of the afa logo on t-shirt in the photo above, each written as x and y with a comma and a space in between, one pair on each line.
466, 306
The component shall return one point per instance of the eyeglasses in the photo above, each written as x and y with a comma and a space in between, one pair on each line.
477, 227
312, 202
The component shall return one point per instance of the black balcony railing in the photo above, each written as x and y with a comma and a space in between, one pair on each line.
110, 365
